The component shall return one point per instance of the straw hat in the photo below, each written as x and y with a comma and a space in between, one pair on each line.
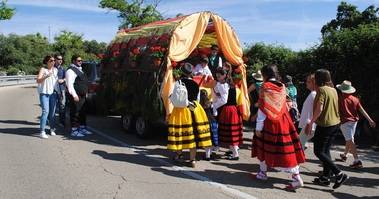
346, 87
258, 76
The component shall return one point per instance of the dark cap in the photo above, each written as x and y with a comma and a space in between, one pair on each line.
287, 79
214, 47
186, 69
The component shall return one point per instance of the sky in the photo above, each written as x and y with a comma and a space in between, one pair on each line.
296, 24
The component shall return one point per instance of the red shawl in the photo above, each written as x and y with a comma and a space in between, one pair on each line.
272, 100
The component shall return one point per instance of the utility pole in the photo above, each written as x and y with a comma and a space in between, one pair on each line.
49, 34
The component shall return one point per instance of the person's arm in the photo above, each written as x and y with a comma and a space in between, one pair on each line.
317, 110
41, 76
222, 96
261, 117
251, 88
364, 113
70, 79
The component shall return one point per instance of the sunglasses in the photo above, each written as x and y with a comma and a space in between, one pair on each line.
79, 60
59, 59
51, 60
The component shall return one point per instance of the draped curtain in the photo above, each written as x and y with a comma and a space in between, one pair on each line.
185, 39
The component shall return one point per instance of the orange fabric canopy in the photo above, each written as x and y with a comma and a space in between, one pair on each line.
185, 38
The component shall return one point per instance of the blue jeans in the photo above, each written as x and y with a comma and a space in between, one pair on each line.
48, 104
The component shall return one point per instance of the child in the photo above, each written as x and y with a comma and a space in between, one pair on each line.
349, 106
202, 69
188, 127
207, 105
230, 118
275, 142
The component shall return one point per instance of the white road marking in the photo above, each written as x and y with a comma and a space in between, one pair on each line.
185, 171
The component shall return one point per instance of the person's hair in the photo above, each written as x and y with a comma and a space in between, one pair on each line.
74, 57
323, 78
57, 55
228, 64
46, 59
221, 71
204, 100
312, 76
270, 71
204, 60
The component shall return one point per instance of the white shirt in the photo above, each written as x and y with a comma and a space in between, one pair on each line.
219, 96
307, 111
70, 80
49, 84
199, 70
261, 117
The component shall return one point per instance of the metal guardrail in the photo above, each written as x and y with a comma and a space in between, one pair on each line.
17, 80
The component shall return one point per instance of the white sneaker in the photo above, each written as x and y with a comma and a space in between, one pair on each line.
43, 135
76, 133
83, 130
52, 132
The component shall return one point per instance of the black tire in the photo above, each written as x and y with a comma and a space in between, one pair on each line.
142, 127
127, 123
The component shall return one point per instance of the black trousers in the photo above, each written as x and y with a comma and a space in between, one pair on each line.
323, 139
78, 115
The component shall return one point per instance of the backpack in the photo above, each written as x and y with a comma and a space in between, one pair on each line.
179, 96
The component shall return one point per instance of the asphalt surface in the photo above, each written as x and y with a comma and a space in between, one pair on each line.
113, 164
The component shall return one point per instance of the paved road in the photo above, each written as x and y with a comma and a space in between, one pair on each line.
112, 164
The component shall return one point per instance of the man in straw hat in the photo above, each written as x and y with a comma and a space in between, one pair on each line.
349, 106
254, 94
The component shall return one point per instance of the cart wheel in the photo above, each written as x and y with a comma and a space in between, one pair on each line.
142, 127
127, 122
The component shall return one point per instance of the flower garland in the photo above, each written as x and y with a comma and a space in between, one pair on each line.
157, 51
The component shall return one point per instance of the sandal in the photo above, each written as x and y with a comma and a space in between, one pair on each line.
261, 175
296, 183
178, 157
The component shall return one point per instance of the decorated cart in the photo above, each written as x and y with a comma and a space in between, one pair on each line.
139, 66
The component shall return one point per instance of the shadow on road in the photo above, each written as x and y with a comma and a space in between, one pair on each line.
34, 132
23, 122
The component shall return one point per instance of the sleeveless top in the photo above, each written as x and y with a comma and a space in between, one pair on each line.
50, 84
81, 81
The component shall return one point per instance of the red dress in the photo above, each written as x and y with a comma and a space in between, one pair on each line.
279, 145
230, 121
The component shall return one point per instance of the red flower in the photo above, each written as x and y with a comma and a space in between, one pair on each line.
237, 71
116, 53
124, 45
136, 51
174, 64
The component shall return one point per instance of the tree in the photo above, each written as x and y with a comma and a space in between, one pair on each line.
94, 47
5, 12
23, 53
348, 17
67, 44
134, 13
261, 54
